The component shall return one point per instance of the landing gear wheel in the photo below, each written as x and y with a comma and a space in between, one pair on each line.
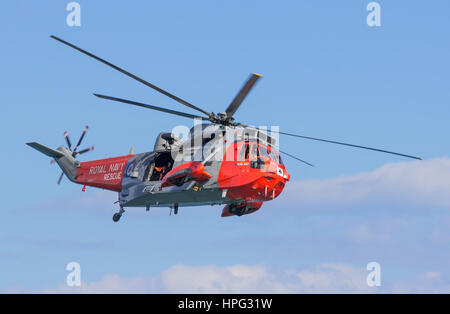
116, 217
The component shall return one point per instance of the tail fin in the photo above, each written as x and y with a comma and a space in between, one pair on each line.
62, 156
50, 152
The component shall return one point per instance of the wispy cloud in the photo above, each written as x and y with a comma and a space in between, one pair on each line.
424, 183
325, 278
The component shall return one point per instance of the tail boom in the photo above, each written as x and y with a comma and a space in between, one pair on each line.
103, 173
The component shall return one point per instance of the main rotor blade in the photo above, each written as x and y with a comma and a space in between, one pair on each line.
334, 142
347, 144
237, 101
184, 102
178, 113
292, 156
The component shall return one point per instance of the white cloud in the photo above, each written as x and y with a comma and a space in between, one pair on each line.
432, 275
326, 278
418, 182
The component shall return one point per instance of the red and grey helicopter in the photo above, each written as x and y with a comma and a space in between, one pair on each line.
221, 162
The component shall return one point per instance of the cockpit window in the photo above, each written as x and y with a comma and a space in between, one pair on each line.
264, 152
280, 160
255, 152
273, 156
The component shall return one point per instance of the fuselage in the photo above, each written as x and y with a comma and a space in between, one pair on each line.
221, 170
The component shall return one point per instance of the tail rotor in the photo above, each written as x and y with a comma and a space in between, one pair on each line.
75, 151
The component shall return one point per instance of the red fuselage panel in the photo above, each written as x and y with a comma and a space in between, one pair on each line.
103, 173
252, 172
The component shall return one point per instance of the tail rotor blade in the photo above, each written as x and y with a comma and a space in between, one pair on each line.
85, 150
81, 138
60, 177
66, 136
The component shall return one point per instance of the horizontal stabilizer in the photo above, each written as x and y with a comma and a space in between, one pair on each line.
50, 152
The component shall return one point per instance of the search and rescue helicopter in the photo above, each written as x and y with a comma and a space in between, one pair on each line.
221, 162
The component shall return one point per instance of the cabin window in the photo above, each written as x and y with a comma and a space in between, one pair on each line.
241, 153
148, 171
207, 139
247, 151
162, 165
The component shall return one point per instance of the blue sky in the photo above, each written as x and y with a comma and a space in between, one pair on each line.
325, 74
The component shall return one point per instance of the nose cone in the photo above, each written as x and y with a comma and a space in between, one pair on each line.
282, 172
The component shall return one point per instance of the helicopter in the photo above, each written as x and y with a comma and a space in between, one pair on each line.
220, 161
